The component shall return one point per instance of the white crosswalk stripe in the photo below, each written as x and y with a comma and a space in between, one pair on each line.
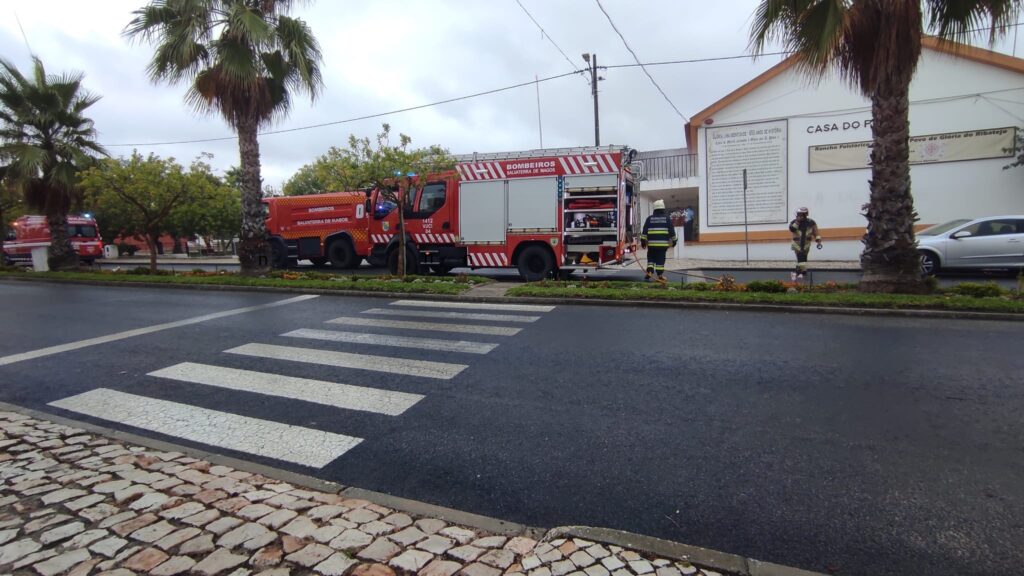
395, 341
402, 366
452, 315
305, 446
473, 305
430, 326
317, 391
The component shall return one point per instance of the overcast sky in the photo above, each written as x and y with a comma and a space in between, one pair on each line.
391, 54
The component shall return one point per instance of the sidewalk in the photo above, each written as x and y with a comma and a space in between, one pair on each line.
76, 503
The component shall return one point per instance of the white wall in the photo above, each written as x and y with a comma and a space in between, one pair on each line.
941, 191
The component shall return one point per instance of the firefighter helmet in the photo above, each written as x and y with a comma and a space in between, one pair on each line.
659, 205
803, 211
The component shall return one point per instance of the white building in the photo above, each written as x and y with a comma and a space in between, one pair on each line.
805, 143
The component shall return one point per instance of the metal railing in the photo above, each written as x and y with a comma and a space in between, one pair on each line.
668, 167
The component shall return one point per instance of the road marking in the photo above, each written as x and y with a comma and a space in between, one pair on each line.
473, 305
296, 444
453, 315
316, 391
396, 341
142, 331
440, 370
434, 326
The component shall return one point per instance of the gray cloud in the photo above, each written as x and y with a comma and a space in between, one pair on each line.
391, 54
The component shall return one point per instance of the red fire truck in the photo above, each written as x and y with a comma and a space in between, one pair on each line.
542, 212
30, 232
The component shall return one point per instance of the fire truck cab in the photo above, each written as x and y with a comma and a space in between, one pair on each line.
28, 232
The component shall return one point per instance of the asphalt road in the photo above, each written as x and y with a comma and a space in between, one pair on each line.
858, 445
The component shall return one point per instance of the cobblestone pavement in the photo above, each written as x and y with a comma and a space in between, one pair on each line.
76, 503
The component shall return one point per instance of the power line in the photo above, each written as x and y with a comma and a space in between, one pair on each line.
438, 103
545, 34
637, 58
357, 119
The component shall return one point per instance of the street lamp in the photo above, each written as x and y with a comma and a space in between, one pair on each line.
591, 60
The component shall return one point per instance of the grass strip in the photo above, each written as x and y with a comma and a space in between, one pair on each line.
411, 285
844, 299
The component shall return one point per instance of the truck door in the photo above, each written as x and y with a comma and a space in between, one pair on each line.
430, 218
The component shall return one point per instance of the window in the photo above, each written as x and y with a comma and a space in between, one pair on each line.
993, 228
81, 231
431, 199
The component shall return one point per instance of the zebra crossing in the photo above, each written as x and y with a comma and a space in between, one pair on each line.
435, 326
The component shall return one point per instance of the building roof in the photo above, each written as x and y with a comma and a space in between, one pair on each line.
928, 42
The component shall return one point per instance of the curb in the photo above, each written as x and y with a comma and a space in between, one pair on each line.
702, 557
727, 306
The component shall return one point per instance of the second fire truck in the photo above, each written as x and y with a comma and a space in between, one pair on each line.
543, 212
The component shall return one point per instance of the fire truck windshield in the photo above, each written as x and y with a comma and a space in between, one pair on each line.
81, 231
383, 208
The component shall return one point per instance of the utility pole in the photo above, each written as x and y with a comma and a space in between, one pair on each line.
591, 60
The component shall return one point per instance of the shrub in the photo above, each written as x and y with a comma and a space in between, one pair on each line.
977, 289
701, 286
773, 286
727, 284
145, 271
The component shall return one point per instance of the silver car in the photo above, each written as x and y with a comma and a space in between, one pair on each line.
990, 242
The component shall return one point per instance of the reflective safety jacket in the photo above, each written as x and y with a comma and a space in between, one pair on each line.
658, 231
803, 234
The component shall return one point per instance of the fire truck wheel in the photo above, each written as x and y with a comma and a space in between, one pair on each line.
318, 262
411, 266
278, 254
535, 263
342, 255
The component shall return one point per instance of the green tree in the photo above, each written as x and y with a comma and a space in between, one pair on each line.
304, 181
875, 45
397, 170
149, 188
204, 214
48, 140
243, 59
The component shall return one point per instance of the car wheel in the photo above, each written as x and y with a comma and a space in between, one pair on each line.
929, 263
535, 263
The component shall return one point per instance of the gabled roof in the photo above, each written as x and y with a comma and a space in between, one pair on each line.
928, 42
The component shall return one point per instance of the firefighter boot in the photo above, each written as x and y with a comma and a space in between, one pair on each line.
662, 281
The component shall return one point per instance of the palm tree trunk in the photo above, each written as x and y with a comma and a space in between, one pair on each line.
253, 249
890, 261
61, 255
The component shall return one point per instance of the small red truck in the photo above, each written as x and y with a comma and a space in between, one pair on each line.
28, 232
543, 212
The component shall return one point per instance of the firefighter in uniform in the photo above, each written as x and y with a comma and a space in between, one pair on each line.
658, 236
803, 230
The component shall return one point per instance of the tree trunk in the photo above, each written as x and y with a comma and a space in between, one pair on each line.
253, 249
151, 240
61, 255
401, 232
890, 260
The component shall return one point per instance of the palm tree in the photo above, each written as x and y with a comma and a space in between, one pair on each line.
242, 59
45, 141
875, 45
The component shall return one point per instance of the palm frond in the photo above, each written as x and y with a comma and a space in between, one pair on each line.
959, 20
